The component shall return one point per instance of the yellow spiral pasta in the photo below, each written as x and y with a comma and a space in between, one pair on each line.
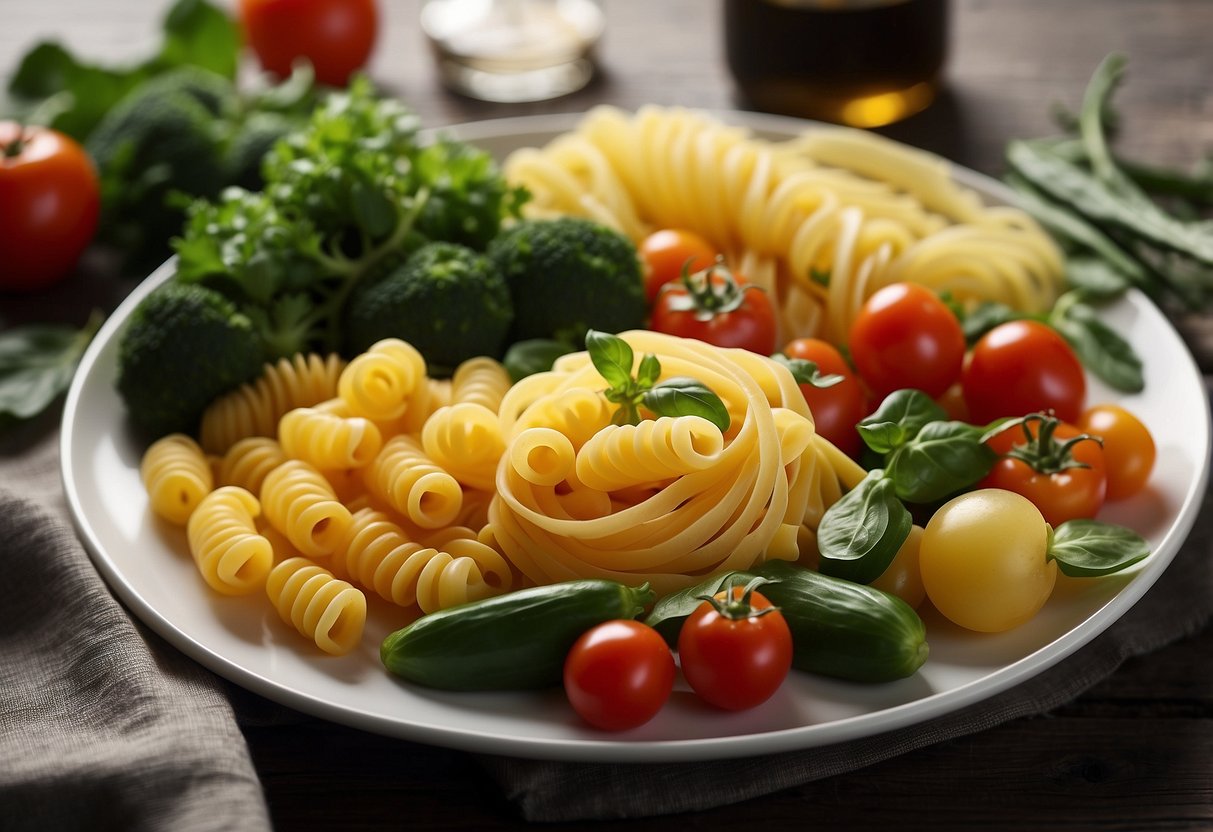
466, 440
232, 557
411, 483
534, 402
299, 502
254, 409
177, 475
747, 505
328, 440
329, 611
619, 456
543, 456
434, 574
379, 383
248, 461
821, 221
480, 380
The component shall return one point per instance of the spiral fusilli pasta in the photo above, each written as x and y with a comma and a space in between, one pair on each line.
329, 611
299, 502
177, 475
232, 557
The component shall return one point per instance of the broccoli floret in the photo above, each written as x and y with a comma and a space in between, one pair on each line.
447, 300
568, 275
249, 144
183, 346
158, 140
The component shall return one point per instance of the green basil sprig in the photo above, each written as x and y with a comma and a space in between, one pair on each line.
898, 419
1089, 548
678, 396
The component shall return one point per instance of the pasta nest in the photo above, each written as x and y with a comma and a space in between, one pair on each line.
665, 502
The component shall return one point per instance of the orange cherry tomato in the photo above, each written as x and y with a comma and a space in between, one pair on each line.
1128, 447
665, 253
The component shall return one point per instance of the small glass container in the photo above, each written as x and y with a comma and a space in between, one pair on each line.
865, 63
513, 50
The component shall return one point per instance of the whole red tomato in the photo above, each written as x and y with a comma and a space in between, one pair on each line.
336, 36
1052, 463
665, 253
1023, 367
717, 307
838, 408
49, 203
905, 336
736, 649
618, 675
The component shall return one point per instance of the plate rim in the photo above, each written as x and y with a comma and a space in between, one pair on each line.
874, 723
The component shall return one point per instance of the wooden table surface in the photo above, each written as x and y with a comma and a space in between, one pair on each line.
1135, 752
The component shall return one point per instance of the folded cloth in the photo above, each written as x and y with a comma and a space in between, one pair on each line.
102, 724
1179, 604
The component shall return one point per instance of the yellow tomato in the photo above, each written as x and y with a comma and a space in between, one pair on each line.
983, 560
903, 577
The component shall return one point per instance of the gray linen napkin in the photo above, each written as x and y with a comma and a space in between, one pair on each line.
102, 724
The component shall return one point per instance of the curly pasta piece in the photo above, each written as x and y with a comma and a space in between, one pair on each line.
379, 383
413, 484
329, 611
438, 573
543, 456
232, 557
328, 440
248, 461
254, 409
177, 475
619, 456
480, 380
300, 503
465, 439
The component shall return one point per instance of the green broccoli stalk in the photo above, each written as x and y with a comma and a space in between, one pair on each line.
183, 346
447, 300
567, 276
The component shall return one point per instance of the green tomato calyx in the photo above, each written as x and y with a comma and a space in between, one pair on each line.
1042, 451
738, 608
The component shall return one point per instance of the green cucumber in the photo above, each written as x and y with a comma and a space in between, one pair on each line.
515, 641
839, 628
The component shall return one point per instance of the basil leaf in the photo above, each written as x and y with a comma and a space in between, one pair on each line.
898, 419
535, 355
979, 320
669, 613
860, 534
648, 372
942, 459
611, 356
807, 372
1089, 548
1100, 348
37, 363
682, 396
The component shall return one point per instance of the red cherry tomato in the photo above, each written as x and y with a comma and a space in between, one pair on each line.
734, 655
667, 252
619, 674
719, 308
336, 36
49, 203
1062, 475
839, 407
905, 336
1128, 447
1023, 367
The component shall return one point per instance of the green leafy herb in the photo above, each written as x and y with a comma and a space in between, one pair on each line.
859, 535
807, 372
898, 419
37, 363
1089, 548
941, 459
678, 396
535, 355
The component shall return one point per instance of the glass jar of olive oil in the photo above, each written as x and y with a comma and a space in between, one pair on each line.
865, 63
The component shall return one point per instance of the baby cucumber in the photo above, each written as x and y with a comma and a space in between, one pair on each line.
515, 641
839, 628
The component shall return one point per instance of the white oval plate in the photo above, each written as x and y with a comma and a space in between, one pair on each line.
148, 566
